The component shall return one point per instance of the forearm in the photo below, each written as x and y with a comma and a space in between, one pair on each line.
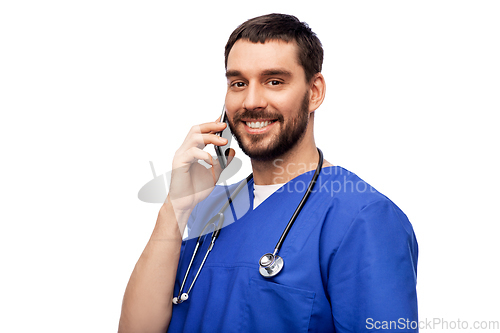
147, 303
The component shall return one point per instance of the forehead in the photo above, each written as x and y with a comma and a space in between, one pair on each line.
247, 57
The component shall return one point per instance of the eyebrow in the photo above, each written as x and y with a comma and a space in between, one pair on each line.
232, 73
267, 72
271, 72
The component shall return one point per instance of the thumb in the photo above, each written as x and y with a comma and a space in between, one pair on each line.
230, 153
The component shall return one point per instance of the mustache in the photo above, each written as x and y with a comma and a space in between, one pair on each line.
264, 114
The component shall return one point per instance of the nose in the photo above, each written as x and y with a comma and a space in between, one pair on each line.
254, 98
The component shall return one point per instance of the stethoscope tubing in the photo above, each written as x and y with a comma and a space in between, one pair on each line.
301, 204
215, 234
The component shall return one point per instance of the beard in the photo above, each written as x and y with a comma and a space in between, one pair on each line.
292, 131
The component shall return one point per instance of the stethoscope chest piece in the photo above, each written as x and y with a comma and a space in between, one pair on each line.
270, 265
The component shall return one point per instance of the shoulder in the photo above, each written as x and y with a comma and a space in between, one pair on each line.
340, 187
369, 254
348, 200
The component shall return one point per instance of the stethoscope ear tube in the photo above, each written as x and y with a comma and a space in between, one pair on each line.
220, 216
184, 296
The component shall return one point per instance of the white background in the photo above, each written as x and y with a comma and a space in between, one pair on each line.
91, 91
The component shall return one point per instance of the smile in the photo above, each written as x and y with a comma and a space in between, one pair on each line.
258, 124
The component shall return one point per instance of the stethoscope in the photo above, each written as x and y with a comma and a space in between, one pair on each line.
270, 264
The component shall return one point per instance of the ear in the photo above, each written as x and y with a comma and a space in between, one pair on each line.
317, 91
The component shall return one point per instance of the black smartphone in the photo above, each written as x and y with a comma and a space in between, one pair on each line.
223, 151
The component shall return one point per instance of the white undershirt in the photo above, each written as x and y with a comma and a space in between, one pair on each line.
262, 192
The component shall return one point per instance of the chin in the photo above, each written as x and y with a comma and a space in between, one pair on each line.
265, 152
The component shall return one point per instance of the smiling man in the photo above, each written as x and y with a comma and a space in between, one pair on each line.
268, 98
350, 252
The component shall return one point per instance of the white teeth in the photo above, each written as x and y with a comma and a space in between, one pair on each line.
258, 124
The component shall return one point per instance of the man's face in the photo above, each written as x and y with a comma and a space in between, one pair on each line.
267, 100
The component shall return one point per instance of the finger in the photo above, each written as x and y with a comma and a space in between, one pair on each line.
223, 125
192, 155
230, 155
216, 168
210, 160
207, 128
211, 127
201, 140
213, 139
214, 178
218, 121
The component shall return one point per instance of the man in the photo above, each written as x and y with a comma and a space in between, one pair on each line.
351, 255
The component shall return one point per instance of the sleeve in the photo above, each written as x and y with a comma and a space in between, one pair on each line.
373, 274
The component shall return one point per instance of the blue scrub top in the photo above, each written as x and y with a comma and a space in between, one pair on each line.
350, 262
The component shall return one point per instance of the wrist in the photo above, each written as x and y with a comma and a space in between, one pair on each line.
181, 211
175, 218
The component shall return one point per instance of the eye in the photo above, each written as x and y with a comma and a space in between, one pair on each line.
275, 82
238, 84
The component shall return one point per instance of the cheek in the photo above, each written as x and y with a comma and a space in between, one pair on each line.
233, 101
231, 106
287, 103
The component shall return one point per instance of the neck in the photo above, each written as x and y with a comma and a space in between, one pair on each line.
302, 158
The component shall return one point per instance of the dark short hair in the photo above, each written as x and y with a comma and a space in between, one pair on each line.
283, 27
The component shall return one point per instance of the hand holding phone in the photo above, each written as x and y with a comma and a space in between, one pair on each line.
223, 151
